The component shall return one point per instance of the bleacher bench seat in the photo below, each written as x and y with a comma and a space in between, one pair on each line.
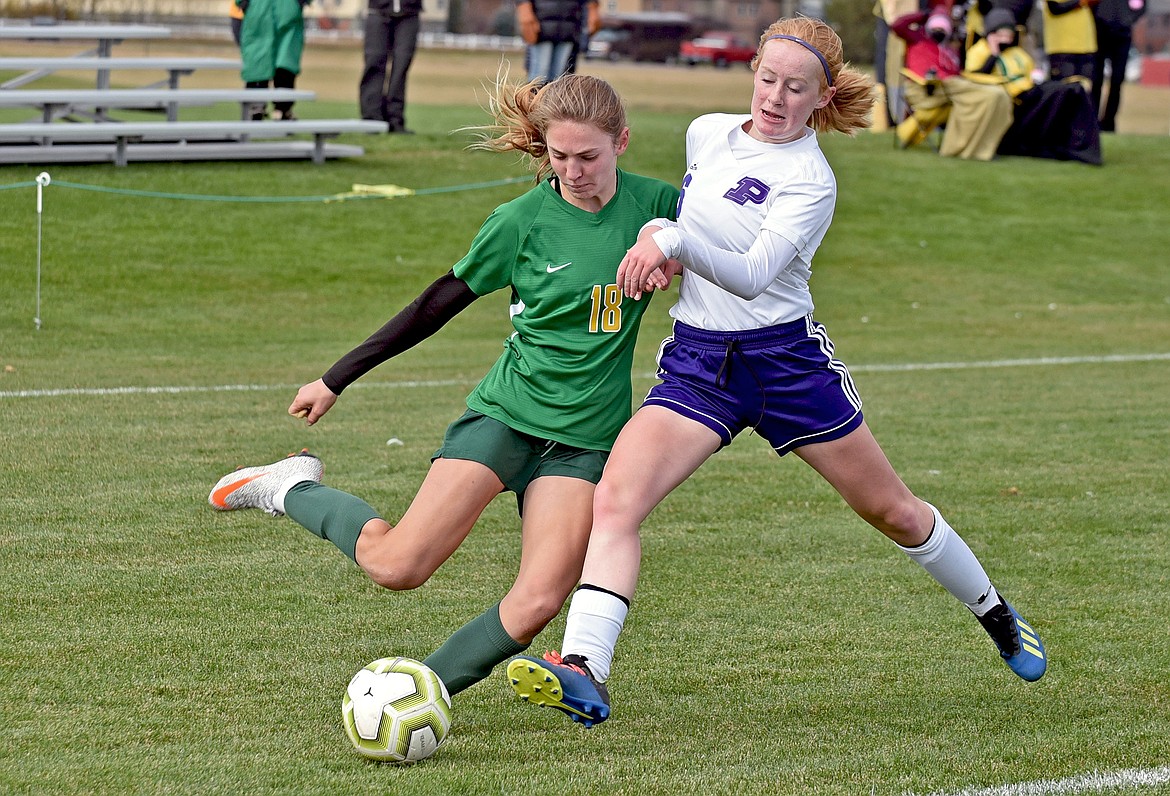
120, 142
38, 67
60, 102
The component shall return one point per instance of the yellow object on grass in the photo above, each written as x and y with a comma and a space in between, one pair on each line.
382, 190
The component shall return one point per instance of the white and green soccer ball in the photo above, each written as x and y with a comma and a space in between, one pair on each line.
396, 710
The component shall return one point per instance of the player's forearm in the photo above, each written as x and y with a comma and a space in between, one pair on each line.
445, 298
746, 275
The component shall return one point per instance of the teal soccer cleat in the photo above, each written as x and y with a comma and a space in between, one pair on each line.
1018, 643
562, 683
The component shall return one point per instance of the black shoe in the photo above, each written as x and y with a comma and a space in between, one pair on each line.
399, 129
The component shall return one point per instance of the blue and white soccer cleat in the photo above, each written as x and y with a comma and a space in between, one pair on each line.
1018, 643
256, 487
562, 683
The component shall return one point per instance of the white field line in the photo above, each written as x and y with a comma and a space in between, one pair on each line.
1093, 782
991, 363
106, 391
1011, 363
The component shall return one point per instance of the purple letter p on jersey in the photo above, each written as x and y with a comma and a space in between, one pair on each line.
749, 190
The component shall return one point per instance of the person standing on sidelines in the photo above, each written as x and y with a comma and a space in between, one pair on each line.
1070, 40
391, 36
1114, 20
543, 419
272, 40
552, 33
757, 200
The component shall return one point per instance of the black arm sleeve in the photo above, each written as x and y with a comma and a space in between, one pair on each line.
446, 297
988, 66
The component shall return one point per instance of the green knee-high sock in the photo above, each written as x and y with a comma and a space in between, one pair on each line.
329, 513
473, 650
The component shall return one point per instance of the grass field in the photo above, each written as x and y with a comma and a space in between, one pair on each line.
1008, 324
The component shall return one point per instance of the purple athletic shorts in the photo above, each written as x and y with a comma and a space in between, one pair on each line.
781, 380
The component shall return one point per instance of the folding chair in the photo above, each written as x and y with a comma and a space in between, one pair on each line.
918, 124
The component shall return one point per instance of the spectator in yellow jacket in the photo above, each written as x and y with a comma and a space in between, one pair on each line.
1070, 39
1054, 119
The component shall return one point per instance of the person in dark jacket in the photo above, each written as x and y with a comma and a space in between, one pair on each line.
391, 35
552, 30
1115, 20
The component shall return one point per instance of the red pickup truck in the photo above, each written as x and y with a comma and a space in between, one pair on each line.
717, 47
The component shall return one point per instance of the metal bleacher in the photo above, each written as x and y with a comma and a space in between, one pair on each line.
83, 125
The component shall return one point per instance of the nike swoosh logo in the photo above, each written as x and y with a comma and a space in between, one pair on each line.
552, 269
219, 496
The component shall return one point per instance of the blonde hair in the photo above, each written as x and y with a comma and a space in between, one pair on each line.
523, 114
852, 106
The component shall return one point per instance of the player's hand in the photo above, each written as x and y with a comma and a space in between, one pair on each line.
672, 269
636, 268
660, 278
312, 401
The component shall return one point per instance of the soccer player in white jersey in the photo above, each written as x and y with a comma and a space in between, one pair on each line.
543, 419
757, 199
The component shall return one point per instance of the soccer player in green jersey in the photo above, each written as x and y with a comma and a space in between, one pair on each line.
542, 421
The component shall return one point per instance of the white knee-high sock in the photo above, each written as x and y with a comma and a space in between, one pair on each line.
947, 558
595, 620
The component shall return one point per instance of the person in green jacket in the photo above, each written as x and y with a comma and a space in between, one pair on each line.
272, 39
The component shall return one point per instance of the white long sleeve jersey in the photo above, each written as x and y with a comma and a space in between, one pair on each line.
751, 217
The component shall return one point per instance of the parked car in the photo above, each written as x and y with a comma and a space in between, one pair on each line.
641, 36
608, 44
717, 47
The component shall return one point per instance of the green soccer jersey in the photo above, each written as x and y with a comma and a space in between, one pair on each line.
565, 370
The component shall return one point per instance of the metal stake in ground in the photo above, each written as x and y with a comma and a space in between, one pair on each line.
43, 179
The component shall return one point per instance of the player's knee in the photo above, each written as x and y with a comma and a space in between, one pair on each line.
533, 617
612, 502
396, 576
904, 521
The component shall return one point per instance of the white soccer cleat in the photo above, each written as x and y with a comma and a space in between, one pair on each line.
257, 487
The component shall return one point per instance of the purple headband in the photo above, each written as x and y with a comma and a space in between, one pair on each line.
811, 49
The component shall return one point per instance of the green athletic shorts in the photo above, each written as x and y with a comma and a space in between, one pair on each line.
517, 459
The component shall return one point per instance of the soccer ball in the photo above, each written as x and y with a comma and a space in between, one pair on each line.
397, 710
